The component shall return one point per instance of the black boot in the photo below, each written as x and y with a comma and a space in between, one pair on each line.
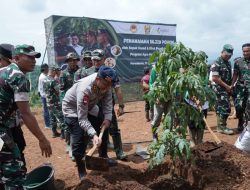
118, 147
62, 134
81, 168
240, 124
54, 132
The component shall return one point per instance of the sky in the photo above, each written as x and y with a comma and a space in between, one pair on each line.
201, 25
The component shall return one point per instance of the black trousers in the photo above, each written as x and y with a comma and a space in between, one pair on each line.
80, 138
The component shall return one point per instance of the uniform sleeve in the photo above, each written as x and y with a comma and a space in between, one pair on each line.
56, 86
62, 82
82, 112
21, 87
215, 69
236, 68
107, 105
77, 75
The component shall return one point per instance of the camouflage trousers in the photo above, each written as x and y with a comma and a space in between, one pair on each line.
56, 116
12, 171
247, 110
240, 96
222, 106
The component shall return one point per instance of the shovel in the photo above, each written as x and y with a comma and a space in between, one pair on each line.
96, 163
217, 143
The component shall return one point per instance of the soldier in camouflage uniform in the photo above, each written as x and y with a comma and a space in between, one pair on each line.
222, 76
67, 76
51, 88
66, 82
14, 89
241, 89
98, 58
87, 63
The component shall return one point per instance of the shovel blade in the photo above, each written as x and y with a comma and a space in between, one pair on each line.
212, 146
96, 163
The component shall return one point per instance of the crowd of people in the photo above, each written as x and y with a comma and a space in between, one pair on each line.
71, 43
79, 101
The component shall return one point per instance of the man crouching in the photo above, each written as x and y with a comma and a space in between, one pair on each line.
84, 117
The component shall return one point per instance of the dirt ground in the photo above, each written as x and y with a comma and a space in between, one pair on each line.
133, 174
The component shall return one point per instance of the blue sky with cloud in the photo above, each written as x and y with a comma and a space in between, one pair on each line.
201, 25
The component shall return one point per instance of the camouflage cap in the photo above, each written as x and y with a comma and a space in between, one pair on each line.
73, 56
26, 50
98, 54
6, 50
53, 67
228, 49
107, 73
87, 54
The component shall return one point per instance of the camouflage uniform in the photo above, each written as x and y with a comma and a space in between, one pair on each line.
240, 92
66, 81
84, 72
223, 69
51, 88
14, 87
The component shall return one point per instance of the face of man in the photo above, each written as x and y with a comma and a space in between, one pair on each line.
101, 38
87, 62
72, 64
26, 63
52, 73
75, 40
90, 38
46, 70
226, 56
64, 40
58, 72
103, 84
246, 52
98, 63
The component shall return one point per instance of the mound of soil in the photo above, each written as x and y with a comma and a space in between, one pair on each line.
222, 168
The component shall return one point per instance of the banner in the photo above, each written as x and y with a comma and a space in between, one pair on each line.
128, 44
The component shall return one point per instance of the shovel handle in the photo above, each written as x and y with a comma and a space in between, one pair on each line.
92, 150
216, 139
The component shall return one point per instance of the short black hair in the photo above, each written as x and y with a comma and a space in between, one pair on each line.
44, 66
246, 45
